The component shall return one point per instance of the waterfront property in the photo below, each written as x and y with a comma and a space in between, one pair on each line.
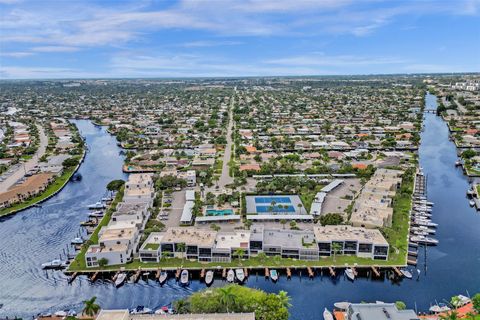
378, 311
31, 187
118, 241
275, 207
125, 315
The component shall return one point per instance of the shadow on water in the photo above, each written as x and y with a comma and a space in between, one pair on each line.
41, 234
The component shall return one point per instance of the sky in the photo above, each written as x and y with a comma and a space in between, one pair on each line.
227, 38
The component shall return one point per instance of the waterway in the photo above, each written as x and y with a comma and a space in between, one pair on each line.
38, 235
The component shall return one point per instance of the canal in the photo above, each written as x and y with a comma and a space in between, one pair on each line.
38, 235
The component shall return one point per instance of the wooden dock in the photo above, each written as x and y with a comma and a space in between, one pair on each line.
94, 276
289, 273
332, 271
310, 272
224, 273
177, 273
157, 275
202, 274
267, 273
375, 271
136, 277
115, 276
397, 271
245, 272
72, 277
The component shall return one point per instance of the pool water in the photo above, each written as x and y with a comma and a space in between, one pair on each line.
225, 212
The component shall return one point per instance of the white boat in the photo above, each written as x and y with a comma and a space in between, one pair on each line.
184, 277
120, 279
327, 315
163, 277
343, 305
438, 308
209, 278
97, 205
239, 274
273, 275
77, 240
106, 199
54, 264
407, 274
424, 240
60, 313
472, 203
230, 276
350, 274
140, 310
96, 214
164, 310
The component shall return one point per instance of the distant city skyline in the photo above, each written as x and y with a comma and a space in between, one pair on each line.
225, 38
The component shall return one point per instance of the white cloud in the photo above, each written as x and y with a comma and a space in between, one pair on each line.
55, 49
18, 54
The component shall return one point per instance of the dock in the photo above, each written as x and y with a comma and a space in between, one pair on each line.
375, 271
94, 276
245, 272
202, 274
310, 272
332, 271
397, 271
224, 273
136, 277
72, 277
289, 273
267, 273
177, 273
157, 275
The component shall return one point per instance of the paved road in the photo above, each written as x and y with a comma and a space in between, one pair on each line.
30, 164
225, 176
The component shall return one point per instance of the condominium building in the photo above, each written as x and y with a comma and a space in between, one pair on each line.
139, 188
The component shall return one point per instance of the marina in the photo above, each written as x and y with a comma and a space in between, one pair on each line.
446, 188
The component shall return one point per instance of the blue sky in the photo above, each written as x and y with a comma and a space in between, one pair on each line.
97, 39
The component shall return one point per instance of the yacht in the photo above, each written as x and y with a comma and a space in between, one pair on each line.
77, 240
230, 276
163, 277
438, 308
350, 274
97, 205
209, 278
240, 274
140, 310
407, 274
341, 305
184, 277
424, 240
327, 315
274, 275
54, 264
120, 279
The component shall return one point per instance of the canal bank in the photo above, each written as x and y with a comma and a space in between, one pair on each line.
32, 237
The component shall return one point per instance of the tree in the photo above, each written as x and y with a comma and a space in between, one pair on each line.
283, 222
90, 307
336, 248
115, 185
455, 301
331, 219
271, 308
284, 298
239, 253
181, 306
262, 256
227, 297
180, 247
400, 305
476, 302
453, 315
70, 162
103, 262
468, 154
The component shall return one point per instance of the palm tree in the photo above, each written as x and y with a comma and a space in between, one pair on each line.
283, 222
227, 297
336, 247
471, 315
180, 247
90, 307
273, 203
450, 316
284, 298
239, 253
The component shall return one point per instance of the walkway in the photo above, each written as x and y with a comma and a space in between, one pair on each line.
27, 166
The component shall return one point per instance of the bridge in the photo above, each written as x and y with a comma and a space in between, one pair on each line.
430, 111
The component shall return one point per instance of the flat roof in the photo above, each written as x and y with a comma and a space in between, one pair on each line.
190, 236
113, 314
187, 212
264, 217
381, 311
288, 238
332, 185
228, 240
349, 233
190, 195
230, 217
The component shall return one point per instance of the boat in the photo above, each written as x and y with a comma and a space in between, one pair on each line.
274, 275
407, 274
472, 203
60, 313
106, 199
230, 276
438, 308
140, 310
184, 277
327, 315
54, 264
239, 274
470, 192
164, 310
76, 177
424, 240
350, 274
97, 205
77, 240
71, 313
341, 305
209, 278
121, 277
163, 277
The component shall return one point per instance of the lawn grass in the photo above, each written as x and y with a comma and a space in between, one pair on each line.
54, 187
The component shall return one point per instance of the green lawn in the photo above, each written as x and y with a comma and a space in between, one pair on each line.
152, 246
51, 189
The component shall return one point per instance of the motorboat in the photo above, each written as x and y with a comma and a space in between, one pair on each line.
71, 313
77, 240
164, 310
61, 313
96, 214
106, 199
140, 310
425, 223
230, 276
407, 274
424, 229
341, 305
97, 205
350, 274
472, 203
274, 275
54, 264
424, 240
163, 277
184, 277
439, 308
240, 274
327, 315
121, 277
209, 278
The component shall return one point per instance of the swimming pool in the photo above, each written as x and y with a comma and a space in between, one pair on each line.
214, 212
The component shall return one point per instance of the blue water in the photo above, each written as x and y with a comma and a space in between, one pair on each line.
38, 235
269, 200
